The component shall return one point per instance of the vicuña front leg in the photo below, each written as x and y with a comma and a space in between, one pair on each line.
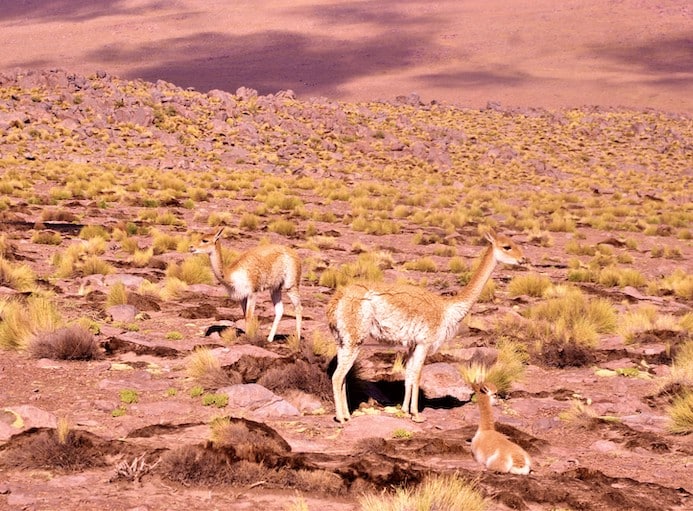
412, 378
345, 360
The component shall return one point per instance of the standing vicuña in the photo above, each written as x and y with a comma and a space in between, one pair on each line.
490, 447
420, 320
265, 267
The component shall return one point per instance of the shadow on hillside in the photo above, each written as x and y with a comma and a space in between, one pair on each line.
66, 10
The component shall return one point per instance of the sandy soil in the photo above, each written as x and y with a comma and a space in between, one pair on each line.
540, 53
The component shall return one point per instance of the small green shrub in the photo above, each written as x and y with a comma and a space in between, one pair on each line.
129, 396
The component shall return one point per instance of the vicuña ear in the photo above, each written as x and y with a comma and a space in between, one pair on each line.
491, 236
218, 234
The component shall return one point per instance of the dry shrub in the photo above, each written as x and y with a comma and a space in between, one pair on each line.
197, 465
193, 464
73, 451
249, 440
300, 375
68, 343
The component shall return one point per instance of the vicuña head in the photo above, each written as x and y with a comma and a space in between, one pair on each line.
489, 447
413, 316
266, 267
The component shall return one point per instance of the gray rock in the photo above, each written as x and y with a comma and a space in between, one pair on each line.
442, 380
122, 313
255, 401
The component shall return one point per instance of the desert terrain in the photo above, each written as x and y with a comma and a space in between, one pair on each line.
380, 142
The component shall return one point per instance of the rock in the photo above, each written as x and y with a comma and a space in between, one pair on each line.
231, 355
15, 419
255, 401
604, 446
122, 313
442, 379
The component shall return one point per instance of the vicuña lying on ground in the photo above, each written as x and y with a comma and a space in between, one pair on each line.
491, 448
420, 320
265, 267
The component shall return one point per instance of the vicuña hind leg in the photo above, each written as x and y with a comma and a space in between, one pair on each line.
278, 312
295, 298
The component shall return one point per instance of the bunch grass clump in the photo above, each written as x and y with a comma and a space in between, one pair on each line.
681, 413
19, 277
437, 492
117, 295
531, 284
570, 315
20, 321
204, 367
192, 270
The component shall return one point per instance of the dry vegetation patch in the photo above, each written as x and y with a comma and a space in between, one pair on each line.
379, 191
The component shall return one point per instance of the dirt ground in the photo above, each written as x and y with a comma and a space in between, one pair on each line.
524, 54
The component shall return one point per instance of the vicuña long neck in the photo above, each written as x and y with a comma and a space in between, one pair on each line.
486, 422
217, 266
471, 292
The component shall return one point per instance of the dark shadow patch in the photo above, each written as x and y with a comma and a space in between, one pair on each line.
160, 429
115, 345
563, 354
202, 311
142, 302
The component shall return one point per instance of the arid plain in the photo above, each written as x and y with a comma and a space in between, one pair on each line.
380, 141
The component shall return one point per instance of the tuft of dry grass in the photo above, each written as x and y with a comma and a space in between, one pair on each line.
570, 315
192, 270
117, 295
19, 277
322, 345
248, 440
438, 492
56, 449
204, 367
68, 343
531, 284
21, 320
681, 413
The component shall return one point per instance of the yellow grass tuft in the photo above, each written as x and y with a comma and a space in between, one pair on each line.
117, 295
204, 367
531, 284
20, 321
438, 492
192, 270
19, 277
681, 414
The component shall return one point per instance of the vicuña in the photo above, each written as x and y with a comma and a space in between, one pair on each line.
265, 267
418, 319
492, 448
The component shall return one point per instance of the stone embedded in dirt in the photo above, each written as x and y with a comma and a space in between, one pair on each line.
377, 426
442, 380
15, 419
122, 313
256, 402
306, 403
231, 355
